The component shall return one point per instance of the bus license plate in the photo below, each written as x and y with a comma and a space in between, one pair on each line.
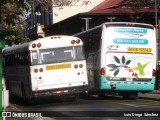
59, 66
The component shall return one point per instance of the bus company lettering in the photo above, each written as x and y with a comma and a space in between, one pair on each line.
133, 49
133, 30
130, 41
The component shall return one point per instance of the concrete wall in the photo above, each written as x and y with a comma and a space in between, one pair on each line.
60, 14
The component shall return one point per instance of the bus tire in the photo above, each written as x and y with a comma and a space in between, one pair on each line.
125, 96
67, 98
88, 94
101, 95
131, 96
12, 98
72, 98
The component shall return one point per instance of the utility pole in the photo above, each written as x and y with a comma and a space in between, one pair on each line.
156, 22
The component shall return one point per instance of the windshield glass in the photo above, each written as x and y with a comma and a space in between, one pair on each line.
57, 55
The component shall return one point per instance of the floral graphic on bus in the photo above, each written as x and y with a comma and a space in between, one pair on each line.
123, 63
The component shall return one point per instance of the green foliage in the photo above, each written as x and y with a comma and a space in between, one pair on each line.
11, 20
10, 11
142, 3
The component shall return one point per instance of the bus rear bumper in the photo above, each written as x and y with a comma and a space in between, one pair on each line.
127, 85
61, 91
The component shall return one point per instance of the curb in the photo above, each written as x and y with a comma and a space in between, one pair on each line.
150, 96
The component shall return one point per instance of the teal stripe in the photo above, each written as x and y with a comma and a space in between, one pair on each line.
129, 87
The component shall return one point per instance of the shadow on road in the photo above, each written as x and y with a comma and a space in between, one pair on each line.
38, 101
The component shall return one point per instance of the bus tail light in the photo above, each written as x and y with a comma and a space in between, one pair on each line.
41, 70
78, 41
33, 45
81, 65
75, 66
103, 71
73, 42
154, 72
39, 45
35, 70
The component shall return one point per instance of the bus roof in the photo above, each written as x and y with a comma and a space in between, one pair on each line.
43, 43
129, 24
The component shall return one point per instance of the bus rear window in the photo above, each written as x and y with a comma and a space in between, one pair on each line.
56, 55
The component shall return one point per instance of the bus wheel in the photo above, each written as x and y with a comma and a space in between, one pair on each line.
12, 98
132, 96
68, 98
25, 101
83, 94
125, 96
72, 98
88, 94
101, 95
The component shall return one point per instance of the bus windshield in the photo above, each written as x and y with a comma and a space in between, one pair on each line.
56, 55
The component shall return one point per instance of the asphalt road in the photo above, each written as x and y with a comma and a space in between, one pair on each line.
108, 108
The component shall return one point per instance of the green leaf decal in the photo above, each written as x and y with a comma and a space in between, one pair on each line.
128, 62
113, 69
116, 72
116, 59
123, 59
113, 66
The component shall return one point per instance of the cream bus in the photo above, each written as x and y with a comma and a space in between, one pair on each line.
50, 66
121, 58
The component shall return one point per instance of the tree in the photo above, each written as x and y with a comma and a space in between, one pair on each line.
143, 3
15, 12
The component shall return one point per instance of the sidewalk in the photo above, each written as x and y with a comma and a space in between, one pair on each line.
154, 95
155, 92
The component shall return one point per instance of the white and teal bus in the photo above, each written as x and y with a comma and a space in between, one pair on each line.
50, 66
121, 58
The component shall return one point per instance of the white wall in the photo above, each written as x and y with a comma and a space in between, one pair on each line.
60, 14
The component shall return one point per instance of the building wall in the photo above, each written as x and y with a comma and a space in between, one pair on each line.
56, 14
61, 13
